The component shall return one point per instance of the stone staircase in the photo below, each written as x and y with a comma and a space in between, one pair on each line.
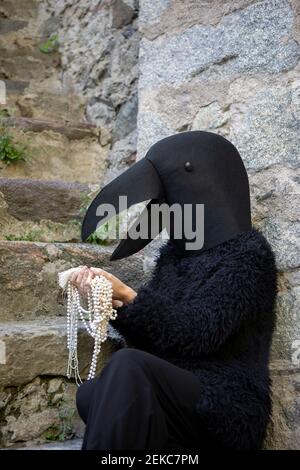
42, 202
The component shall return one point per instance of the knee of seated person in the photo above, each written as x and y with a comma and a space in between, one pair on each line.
127, 354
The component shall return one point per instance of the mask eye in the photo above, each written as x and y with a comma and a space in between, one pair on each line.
188, 166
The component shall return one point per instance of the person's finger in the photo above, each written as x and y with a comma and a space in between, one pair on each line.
117, 303
88, 280
80, 276
92, 273
96, 271
99, 272
73, 278
83, 281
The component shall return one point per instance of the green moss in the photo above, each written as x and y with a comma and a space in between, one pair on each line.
10, 152
63, 430
4, 113
31, 236
52, 433
51, 45
106, 234
66, 423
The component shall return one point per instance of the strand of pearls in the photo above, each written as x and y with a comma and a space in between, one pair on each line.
98, 314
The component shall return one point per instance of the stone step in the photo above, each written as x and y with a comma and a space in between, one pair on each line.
28, 67
15, 86
72, 130
31, 102
36, 348
39, 210
56, 151
38, 401
28, 274
19, 38
7, 25
23, 63
25, 44
41, 199
70, 444
18, 9
21, 52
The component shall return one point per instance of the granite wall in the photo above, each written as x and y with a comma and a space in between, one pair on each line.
231, 67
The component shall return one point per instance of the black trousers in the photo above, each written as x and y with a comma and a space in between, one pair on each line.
139, 401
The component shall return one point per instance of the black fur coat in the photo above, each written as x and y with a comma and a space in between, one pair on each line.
213, 314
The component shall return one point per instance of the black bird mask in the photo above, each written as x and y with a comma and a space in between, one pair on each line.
193, 167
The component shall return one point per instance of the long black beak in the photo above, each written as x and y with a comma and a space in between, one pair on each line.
139, 183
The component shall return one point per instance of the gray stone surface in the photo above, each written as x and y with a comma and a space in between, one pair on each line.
284, 429
51, 200
150, 12
287, 334
180, 72
122, 14
126, 119
7, 26
247, 41
165, 16
122, 157
233, 68
268, 132
14, 10
275, 199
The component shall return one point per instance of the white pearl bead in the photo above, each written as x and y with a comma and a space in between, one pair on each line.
99, 311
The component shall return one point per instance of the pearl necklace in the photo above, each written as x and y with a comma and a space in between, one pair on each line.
95, 320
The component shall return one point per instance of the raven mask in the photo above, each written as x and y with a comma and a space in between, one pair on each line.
189, 168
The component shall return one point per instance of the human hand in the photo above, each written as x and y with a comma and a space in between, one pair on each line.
122, 294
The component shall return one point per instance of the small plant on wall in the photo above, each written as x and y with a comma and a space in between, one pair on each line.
10, 151
50, 45
104, 235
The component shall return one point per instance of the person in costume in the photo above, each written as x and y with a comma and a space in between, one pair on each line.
195, 372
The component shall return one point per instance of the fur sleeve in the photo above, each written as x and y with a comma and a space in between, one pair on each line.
154, 321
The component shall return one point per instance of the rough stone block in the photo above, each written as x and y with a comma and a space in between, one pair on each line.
51, 200
28, 276
57, 152
284, 428
37, 400
39, 348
